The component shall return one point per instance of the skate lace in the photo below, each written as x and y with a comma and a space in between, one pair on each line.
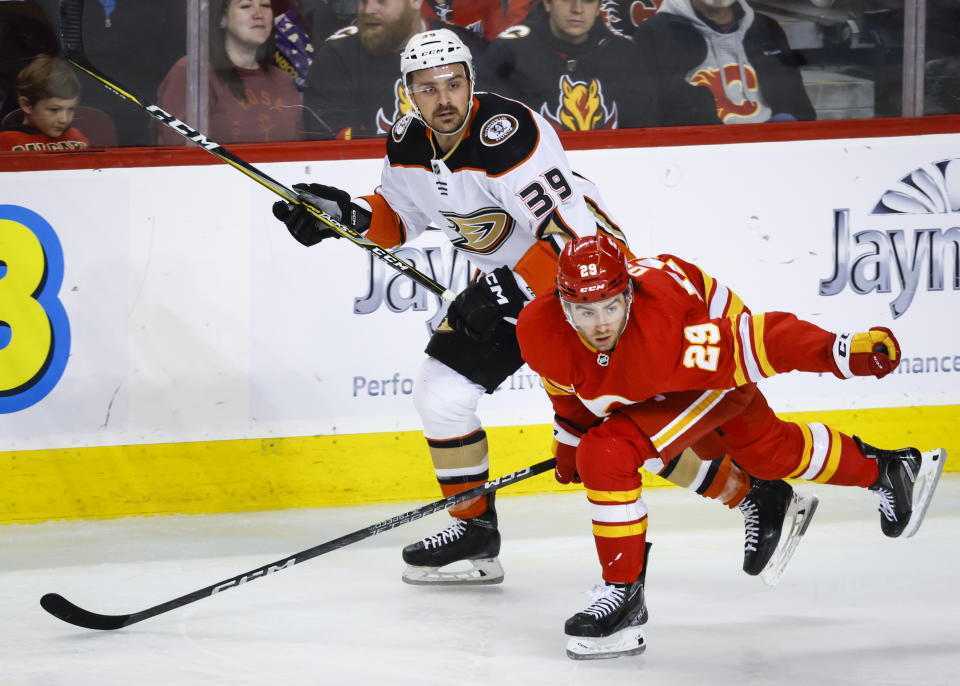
751, 524
886, 504
605, 600
451, 533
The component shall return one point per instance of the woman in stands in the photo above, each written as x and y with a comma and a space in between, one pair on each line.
250, 100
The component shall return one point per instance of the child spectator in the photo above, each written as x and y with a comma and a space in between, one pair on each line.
250, 100
48, 92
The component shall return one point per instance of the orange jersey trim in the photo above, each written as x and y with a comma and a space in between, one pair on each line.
386, 229
538, 267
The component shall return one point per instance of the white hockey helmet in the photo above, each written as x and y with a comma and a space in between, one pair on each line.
430, 49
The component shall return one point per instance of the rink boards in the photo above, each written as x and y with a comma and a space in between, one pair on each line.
181, 353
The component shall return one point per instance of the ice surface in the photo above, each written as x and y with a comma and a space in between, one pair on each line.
853, 607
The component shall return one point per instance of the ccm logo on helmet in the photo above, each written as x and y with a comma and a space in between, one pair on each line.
598, 287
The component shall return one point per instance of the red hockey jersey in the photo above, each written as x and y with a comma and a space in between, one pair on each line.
28, 139
486, 18
685, 332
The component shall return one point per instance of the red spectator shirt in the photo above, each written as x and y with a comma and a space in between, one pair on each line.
269, 112
25, 138
486, 18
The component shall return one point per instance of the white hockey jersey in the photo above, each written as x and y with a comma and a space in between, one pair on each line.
505, 194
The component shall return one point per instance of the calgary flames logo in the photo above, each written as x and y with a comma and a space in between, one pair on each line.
726, 108
581, 107
402, 105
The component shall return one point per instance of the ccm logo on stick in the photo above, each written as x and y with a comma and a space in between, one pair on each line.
263, 571
178, 125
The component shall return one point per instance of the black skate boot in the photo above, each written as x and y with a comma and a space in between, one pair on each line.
476, 541
905, 484
774, 520
610, 626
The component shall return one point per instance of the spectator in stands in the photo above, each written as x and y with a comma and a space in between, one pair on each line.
486, 18
48, 92
136, 42
300, 25
250, 100
719, 62
568, 66
354, 88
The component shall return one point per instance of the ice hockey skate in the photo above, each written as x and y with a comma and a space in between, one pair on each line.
775, 519
610, 626
473, 543
905, 485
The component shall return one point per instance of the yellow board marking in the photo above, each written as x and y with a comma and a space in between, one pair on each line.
320, 471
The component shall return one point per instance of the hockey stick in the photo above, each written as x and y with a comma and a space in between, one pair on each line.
61, 608
71, 38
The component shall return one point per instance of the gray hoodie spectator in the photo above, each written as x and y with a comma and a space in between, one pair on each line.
719, 62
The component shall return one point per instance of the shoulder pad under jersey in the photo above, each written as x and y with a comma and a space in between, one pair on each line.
506, 133
408, 144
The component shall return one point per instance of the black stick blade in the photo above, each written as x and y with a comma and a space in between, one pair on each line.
63, 609
71, 27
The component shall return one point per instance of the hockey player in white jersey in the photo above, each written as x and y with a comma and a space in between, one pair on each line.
492, 174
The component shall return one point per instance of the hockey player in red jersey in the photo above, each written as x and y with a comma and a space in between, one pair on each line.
492, 174
621, 340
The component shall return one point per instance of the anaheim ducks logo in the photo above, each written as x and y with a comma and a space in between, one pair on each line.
581, 107
402, 105
482, 231
726, 108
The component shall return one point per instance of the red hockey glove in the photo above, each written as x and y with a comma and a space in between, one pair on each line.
566, 469
871, 353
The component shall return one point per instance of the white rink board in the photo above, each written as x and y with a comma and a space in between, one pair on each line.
194, 316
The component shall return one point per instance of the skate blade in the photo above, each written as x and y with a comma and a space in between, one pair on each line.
931, 467
800, 512
629, 641
481, 572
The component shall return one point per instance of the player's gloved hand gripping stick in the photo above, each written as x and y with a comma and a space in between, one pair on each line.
71, 39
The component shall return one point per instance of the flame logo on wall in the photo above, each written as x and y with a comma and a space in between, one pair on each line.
931, 189
581, 107
726, 108
402, 106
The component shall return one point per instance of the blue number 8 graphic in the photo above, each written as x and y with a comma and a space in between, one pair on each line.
34, 329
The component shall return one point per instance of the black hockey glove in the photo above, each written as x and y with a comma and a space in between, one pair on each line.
482, 305
335, 202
